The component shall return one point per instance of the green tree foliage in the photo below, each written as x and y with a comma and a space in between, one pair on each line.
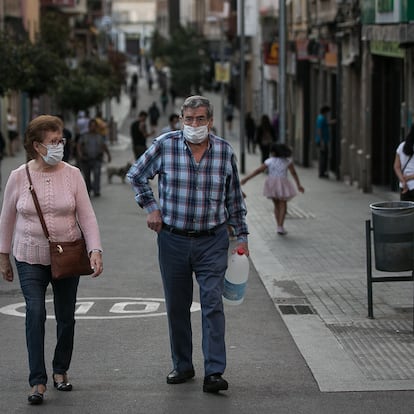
185, 55
28, 67
79, 91
118, 62
54, 32
90, 84
186, 58
159, 46
9, 62
39, 69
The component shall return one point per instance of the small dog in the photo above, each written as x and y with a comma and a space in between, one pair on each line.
118, 171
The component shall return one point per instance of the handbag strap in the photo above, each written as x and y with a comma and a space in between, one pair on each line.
36, 203
411, 156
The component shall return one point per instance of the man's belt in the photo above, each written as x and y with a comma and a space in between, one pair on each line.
191, 233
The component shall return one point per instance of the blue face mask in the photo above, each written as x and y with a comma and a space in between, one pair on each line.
54, 154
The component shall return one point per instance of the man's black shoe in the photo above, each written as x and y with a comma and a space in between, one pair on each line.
176, 377
215, 383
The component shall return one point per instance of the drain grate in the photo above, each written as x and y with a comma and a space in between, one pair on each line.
296, 310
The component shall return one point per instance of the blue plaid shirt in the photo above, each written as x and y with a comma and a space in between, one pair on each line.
192, 196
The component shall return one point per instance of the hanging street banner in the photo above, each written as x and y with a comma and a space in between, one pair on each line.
222, 72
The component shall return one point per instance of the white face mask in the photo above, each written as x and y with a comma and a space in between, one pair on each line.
195, 135
54, 154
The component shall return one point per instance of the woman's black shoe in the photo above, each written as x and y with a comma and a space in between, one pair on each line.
61, 384
36, 397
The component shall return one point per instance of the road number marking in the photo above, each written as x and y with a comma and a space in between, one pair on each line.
104, 308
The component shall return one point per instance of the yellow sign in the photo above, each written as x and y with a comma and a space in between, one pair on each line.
271, 53
222, 72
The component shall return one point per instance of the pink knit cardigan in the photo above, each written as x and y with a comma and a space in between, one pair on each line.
63, 199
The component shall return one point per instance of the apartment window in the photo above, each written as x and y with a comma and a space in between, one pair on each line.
384, 6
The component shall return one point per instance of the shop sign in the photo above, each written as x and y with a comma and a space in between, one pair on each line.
390, 49
331, 59
61, 3
271, 53
302, 49
331, 55
222, 72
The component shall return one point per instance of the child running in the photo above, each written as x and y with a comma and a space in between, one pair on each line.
277, 185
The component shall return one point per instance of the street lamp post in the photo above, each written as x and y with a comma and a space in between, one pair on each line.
242, 106
282, 71
223, 133
220, 70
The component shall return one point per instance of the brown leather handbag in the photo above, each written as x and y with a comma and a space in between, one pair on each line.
67, 259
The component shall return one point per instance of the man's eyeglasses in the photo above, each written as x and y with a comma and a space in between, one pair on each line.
55, 142
200, 120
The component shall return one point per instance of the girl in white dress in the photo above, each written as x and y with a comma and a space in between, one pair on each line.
277, 185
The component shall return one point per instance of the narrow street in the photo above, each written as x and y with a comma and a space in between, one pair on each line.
122, 357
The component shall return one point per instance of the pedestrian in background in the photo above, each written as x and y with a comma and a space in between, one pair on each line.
199, 195
265, 136
12, 131
229, 115
154, 115
164, 100
133, 94
173, 94
91, 149
275, 125
68, 147
173, 124
250, 128
2, 151
404, 166
62, 193
322, 139
139, 134
81, 128
101, 126
277, 185
82, 124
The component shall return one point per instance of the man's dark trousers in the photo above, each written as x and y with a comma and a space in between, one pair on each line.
206, 256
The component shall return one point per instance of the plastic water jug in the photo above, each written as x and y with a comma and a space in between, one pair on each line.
236, 276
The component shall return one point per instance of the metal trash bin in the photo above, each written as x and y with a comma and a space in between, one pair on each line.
393, 227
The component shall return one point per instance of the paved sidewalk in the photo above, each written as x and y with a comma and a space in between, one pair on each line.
316, 276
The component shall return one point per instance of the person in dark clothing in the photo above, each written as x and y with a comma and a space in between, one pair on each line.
91, 149
139, 134
250, 126
2, 150
164, 100
154, 114
265, 136
404, 166
68, 148
323, 138
173, 94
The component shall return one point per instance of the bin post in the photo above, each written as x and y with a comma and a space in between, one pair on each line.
369, 268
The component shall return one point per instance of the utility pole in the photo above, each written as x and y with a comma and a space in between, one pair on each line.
223, 133
242, 103
282, 71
